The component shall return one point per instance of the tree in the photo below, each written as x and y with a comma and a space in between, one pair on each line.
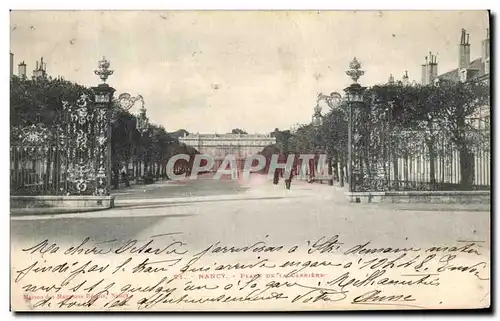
238, 131
123, 144
334, 133
391, 124
34, 101
38, 104
282, 140
411, 120
179, 133
456, 104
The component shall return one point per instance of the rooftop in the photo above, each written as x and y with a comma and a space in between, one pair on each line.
475, 69
215, 135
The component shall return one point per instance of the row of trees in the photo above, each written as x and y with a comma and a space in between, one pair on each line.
399, 121
38, 104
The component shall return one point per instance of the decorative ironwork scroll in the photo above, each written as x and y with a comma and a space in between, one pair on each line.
64, 150
103, 111
78, 142
358, 171
101, 127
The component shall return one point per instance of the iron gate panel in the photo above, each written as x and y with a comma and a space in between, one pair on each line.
68, 156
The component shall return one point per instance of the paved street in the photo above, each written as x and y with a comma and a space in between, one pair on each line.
203, 186
233, 214
233, 211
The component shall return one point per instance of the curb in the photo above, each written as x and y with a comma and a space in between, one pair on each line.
53, 210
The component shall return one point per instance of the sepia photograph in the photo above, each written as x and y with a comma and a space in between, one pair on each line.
259, 160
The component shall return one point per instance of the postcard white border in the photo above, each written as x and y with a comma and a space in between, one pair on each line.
181, 5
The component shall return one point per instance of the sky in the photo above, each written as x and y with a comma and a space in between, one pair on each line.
212, 71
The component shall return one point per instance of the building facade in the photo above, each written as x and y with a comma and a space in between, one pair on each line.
467, 70
220, 145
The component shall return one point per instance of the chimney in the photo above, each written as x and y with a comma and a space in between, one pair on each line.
22, 70
464, 50
39, 71
11, 64
425, 73
406, 79
391, 79
433, 67
485, 57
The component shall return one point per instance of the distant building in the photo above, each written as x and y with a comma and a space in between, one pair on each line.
40, 70
477, 69
467, 70
22, 70
429, 69
221, 145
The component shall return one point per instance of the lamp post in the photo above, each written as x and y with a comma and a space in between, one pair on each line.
124, 103
332, 100
317, 122
354, 97
142, 124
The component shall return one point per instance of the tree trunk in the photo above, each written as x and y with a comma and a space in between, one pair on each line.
466, 168
396, 172
341, 170
407, 170
432, 159
330, 176
116, 176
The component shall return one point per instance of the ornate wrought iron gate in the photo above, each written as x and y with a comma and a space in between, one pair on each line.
68, 156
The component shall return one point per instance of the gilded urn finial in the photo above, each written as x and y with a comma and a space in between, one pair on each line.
355, 70
103, 70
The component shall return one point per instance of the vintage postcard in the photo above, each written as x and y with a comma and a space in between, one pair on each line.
249, 160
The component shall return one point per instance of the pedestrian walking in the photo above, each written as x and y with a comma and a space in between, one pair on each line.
125, 179
276, 179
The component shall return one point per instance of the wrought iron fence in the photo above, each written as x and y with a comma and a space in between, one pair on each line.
65, 156
39, 170
405, 162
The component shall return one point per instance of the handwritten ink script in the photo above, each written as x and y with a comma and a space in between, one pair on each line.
165, 272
